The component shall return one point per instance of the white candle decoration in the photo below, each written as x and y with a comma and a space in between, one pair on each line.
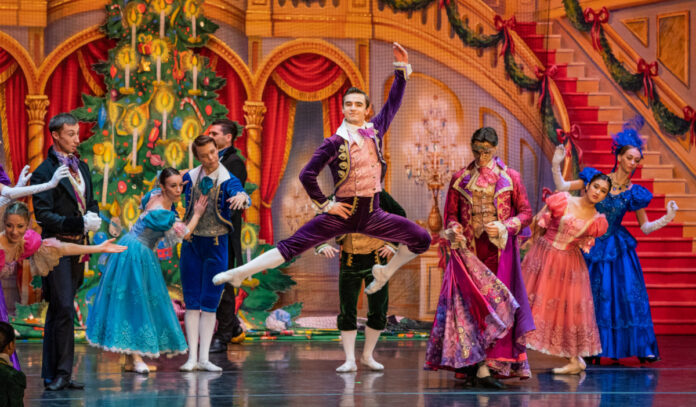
195, 76
159, 68
134, 159
190, 155
164, 125
161, 24
133, 36
193, 26
105, 184
128, 75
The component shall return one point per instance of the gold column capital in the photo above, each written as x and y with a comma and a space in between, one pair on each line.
36, 112
254, 112
36, 108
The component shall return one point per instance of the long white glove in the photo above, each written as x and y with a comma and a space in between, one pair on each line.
21, 191
92, 222
558, 157
649, 227
22, 181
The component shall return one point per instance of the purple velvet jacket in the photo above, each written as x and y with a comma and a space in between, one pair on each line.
335, 150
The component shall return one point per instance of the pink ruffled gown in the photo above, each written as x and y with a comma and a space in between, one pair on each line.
558, 282
42, 255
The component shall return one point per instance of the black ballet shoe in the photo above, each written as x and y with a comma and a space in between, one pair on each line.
648, 359
490, 382
466, 375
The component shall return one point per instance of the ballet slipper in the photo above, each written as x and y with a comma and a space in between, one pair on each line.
208, 366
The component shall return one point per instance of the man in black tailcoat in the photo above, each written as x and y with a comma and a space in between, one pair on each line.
225, 131
67, 212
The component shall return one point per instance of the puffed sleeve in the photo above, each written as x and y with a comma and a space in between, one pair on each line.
555, 206
46, 257
159, 220
598, 228
640, 198
588, 173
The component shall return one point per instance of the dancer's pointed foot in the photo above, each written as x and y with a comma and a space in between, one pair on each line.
208, 366
381, 276
230, 276
370, 362
141, 367
189, 366
347, 367
574, 367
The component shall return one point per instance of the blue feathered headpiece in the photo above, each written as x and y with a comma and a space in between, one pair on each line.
629, 136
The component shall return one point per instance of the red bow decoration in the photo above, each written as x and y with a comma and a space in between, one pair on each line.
506, 26
543, 75
545, 193
596, 18
690, 116
648, 71
572, 136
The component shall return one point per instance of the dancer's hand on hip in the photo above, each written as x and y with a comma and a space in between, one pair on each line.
386, 252
328, 251
341, 209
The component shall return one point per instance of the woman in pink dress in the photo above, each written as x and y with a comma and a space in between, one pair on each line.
557, 279
19, 243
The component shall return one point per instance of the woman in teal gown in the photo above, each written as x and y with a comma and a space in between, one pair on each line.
132, 312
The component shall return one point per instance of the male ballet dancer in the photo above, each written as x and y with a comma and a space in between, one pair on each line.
354, 155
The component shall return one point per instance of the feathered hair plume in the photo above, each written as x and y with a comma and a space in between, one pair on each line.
629, 136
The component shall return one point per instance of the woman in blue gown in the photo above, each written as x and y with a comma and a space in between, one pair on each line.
621, 301
132, 311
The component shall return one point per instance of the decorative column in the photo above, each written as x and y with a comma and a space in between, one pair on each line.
36, 112
254, 113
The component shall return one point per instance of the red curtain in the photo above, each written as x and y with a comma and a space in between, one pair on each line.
274, 140
302, 77
69, 81
232, 95
15, 113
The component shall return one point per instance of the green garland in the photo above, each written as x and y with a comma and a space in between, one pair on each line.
668, 121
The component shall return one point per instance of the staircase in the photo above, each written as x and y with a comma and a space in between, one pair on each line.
668, 256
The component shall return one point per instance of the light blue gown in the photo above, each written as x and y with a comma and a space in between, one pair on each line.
132, 312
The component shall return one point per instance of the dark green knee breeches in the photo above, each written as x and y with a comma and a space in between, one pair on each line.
354, 269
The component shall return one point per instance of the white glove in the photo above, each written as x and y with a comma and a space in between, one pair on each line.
19, 191
558, 157
62, 172
649, 227
92, 222
24, 177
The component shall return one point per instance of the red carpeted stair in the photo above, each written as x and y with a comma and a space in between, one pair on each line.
668, 256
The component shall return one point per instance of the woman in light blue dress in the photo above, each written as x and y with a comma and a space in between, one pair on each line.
132, 312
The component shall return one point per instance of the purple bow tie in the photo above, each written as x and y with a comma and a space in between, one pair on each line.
71, 161
367, 133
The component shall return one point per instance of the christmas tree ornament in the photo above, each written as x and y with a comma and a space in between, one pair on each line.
102, 116
177, 123
174, 153
134, 16
122, 187
160, 51
195, 61
130, 211
144, 66
196, 110
135, 123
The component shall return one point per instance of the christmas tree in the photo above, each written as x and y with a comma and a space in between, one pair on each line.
161, 94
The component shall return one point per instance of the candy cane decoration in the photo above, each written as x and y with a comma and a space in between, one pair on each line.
79, 314
195, 108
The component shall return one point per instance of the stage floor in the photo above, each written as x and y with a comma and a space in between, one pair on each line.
301, 373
